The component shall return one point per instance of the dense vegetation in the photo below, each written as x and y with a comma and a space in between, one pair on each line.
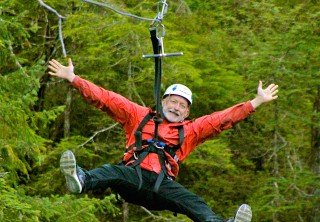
271, 160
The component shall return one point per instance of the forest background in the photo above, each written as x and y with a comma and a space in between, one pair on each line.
270, 161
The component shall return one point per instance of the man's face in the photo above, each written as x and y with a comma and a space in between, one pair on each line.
175, 108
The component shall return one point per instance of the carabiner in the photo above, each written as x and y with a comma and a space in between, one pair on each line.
160, 145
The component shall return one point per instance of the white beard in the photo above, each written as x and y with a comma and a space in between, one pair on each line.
172, 116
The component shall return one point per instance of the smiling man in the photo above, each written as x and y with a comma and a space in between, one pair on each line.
150, 165
175, 103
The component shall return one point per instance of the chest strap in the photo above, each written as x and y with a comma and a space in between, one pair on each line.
153, 146
138, 133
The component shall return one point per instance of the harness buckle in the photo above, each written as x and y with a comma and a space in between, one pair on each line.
159, 145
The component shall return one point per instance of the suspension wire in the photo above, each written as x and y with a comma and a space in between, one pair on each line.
161, 12
120, 12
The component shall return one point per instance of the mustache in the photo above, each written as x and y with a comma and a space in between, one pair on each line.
174, 112
177, 115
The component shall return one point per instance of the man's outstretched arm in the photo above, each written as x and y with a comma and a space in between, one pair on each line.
265, 95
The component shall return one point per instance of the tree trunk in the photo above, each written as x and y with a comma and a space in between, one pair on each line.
67, 113
315, 139
275, 163
314, 160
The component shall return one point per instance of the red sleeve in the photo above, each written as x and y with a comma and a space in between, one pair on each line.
213, 124
118, 107
206, 127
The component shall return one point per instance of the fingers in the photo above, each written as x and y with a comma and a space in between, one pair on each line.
274, 92
272, 87
273, 98
52, 73
54, 67
54, 63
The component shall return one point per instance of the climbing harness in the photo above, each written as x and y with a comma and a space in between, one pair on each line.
142, 148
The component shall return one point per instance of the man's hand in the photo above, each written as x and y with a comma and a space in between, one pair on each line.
65, 72
265, 95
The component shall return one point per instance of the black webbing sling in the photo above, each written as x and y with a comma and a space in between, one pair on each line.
144, 147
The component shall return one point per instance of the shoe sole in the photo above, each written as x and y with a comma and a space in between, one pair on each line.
68, 167
244, 214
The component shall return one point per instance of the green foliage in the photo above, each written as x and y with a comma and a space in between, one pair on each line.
20, 145
213, 155
228, 46
15, 206
286, 197
12, 207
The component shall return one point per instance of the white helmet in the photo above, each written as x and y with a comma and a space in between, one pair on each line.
180, 90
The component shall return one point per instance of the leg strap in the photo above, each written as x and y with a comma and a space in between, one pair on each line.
163, 171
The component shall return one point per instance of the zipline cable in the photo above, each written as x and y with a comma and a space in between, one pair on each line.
118, 11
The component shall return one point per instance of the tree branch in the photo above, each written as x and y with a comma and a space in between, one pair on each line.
50, 9
97, 132
154, 216
15, 58
59, 25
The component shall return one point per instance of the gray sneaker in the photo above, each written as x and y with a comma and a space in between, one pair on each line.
68, 167
244, 214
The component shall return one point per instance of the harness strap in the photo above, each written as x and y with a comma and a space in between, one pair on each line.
138, 133
181, 134
137, 166
158, 181
153, 148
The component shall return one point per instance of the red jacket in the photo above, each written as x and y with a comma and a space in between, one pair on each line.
130, 114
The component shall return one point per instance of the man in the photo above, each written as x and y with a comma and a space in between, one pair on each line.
150, 164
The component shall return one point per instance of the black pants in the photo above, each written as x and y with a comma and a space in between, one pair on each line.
171, 195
